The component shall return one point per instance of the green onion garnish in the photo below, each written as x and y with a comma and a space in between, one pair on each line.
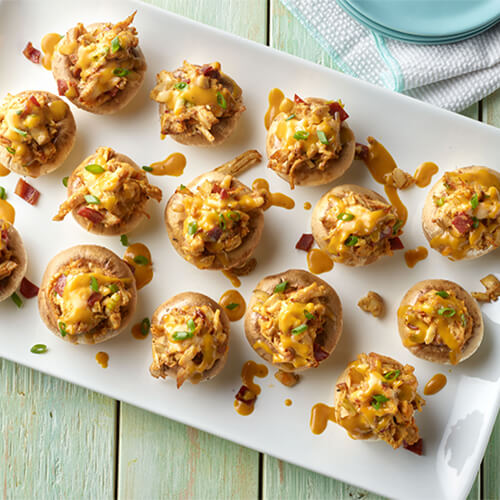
113, 288
91, 199
281, 287
182, 335
65, 181
182, 186
121, 72
12, 151
322, 137
145, 326
308, 315
443, 294
192, 228
351, 241
392, 375
221, 101
345, 216
20, 132
94, 168
94, 285
147, 168
299, 329
180, 85
447, 312
115, 45
124, 240
222, 222
397, 226
474, 201
39, 349
232, 305
439, 202
475, 222
301, 135
234, 216
191, 325
62, 328
3, 194
17, 300
464, 320
141, 260
290, 117
378, 399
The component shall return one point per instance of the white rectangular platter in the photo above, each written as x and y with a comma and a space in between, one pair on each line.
455, 424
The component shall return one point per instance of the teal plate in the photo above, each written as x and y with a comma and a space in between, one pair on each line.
429, 18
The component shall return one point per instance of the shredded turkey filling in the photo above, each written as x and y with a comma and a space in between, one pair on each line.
188, 340
359, 226
438, 318
196, 98
291, 324
379, 398
467, 209
308, 134
103, 59
109, 191
87, 300
29, 127
7, 259
218, 218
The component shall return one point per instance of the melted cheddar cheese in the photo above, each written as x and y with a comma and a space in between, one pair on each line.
8, 261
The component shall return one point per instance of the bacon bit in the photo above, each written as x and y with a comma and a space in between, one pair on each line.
92, 215
361, 152
298, 99
214, 234
216, 189
209, 71
4, 235
32, 54
33, 100
305, 242
412, 327
28, 289
224, 194
200, 314
62, 87
60, 284
416, 448
319, 353
336, 107
114, 91
396, 244
95, 297
198, 358
462, 222
245, 395
27, 192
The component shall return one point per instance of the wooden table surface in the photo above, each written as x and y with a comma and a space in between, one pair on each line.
61, 441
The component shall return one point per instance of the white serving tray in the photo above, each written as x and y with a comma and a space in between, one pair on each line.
455, 423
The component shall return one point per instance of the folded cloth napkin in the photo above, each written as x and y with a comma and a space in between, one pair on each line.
452, 76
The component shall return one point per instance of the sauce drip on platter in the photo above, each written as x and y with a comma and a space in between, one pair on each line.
307, 205
275, 199
288, 402
4, 171
102, 358
320, 415
138, 257
140, 330
435, 384
173, 165
415, 255
7, 211
318, 261
246, 397
49, 43
232, 277
233, 304
424, 173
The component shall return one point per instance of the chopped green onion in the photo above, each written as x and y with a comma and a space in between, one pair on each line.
182, 186
65, 181
439, 202
351, 241
113, 288
221, 101
232, 305
39, 349
392, 375
443, 294
474, 201
20, 132
192, 228
145, 326
234, 216
322, 137
141, 260
344, 216
475, 222
91, 199
447, 312
191, 325
397, 226
378, 399
94, 285
308, 315
464, 320
147, 168
3, 194
180, 85
182, 335
19, 112
290, 117
94, 168
121, 72
62, 328
17, 300
301, 135
115, 45
299, 329
124, 240
281, 287
222, 222
12, 151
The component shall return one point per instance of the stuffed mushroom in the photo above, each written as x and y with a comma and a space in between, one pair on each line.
355, 225
294, 320
108, 193
37, 132
13, 259
88, 295
190, 338
99, 68
199, 105
439, 321
309, 143
461, 216
376, 398
216, 221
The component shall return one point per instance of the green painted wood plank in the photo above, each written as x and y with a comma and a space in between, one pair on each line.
58, 440
186, 463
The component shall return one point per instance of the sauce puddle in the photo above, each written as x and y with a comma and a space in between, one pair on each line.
233, 304
412, 257
320, 415
49, 42
288, 402
173, 165
318, 261
4, 171
7, 211
424, 173
307, 205
102, 358
235, 281
140, 330
275, 199
138, 257
435, 384
244, 401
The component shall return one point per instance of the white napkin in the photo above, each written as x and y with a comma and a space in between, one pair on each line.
452, 76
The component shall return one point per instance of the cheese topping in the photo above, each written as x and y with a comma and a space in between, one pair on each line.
30, 125
378, 398
188, 340
291, 323
467, 209
440, 318
8, 261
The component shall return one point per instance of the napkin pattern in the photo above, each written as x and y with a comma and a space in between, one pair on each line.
452, 76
